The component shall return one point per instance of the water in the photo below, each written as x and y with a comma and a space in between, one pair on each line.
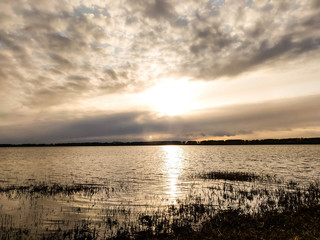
136, 176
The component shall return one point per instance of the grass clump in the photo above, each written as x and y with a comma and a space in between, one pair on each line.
231, 176
45, 189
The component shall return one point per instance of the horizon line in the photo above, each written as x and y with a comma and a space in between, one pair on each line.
314, 140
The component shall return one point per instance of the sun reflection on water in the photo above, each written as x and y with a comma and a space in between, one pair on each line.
173, 166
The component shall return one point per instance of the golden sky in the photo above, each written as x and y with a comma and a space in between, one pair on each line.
73, 71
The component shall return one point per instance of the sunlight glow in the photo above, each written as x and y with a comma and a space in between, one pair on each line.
173, 169
171, 97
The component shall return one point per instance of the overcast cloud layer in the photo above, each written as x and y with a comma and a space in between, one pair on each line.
58, 52
138, 126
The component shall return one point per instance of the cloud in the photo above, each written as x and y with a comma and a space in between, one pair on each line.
285, 49
54, 40
61, 63
60, 53
254, 37
272, 116
111, 73
159, 9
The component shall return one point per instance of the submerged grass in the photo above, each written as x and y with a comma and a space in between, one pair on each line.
223, 210
231, 176
236, 176
54, 189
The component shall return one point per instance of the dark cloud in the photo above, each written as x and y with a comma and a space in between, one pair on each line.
61, 62
9, 42
131, 20
154, 9
223, 53
316, 3
111, 73
59, 43
77, 78
159, 9
274, 115
48, 92
284, 48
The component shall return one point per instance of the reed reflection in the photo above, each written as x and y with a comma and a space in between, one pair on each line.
173, 167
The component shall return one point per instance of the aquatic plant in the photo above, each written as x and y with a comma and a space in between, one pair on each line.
45, 189
236, 176
228, 209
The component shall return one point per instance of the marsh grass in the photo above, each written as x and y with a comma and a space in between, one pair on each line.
283, 213
229, 208
54, 189
236, 176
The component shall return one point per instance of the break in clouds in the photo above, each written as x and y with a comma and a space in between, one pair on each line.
58, 52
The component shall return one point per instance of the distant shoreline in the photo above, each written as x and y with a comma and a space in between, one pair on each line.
287, 141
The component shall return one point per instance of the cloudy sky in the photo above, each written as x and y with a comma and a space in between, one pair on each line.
73, 70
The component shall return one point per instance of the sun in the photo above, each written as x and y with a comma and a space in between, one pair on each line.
171, 97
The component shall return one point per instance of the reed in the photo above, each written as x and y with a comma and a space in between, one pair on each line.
237, 206
53, 189
236, 176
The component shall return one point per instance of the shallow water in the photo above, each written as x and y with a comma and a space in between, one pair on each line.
153, 172
134, 176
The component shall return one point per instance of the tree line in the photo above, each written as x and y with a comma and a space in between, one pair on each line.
159, 143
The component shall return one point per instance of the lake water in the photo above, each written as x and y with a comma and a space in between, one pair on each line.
138, 176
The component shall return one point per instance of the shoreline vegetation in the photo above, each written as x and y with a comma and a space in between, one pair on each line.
285, 141
232, 205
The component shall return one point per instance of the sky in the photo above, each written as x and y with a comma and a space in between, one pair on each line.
151, 70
